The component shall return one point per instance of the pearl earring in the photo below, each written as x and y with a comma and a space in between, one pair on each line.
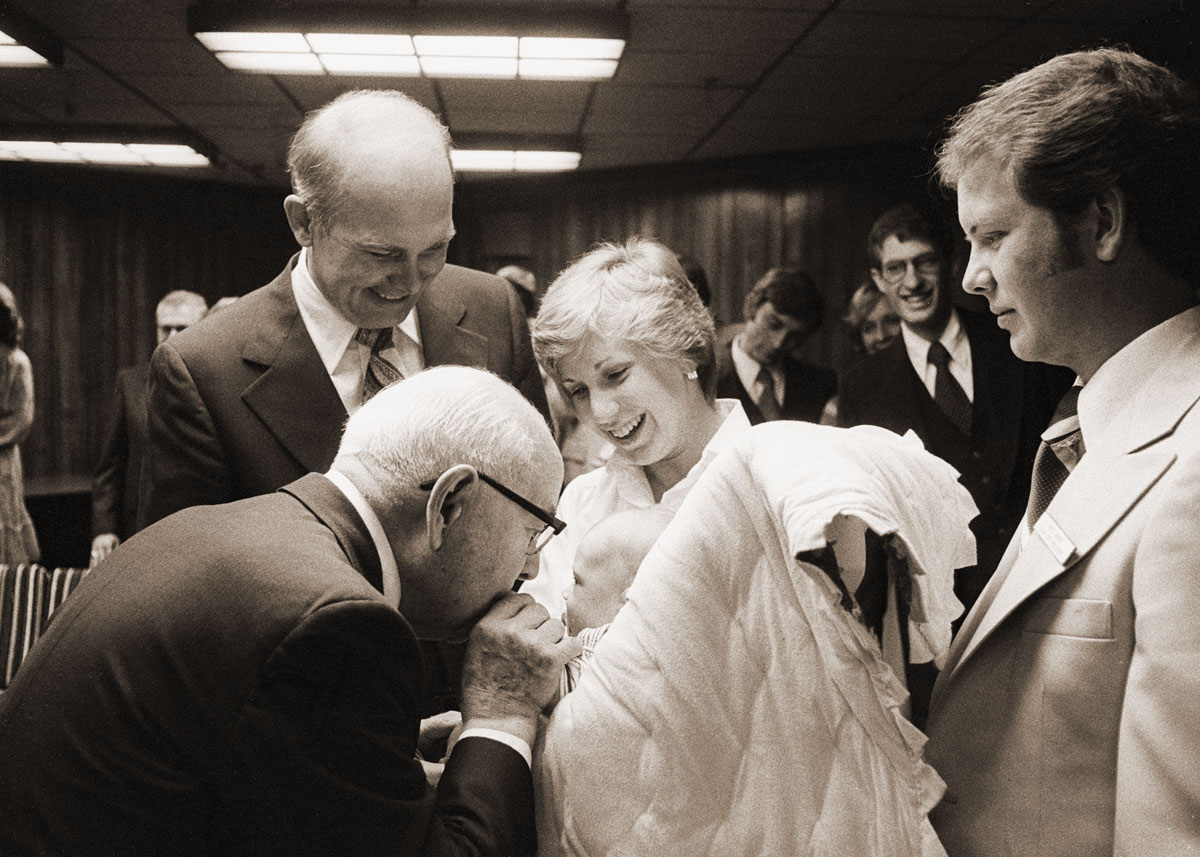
692, 375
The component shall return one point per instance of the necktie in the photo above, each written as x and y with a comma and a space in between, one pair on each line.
768, 405
947, 393
1056, 457
380, 371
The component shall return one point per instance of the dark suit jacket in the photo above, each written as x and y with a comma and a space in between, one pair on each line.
241, 404
1014, 401
808, 387
118, 471
231, 681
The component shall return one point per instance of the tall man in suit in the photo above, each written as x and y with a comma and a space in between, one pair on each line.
998, 405
246, 679
116, 481
256, 395
760, 364
1067, 719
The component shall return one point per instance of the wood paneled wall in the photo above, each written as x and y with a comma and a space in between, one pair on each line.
88, 254
738, 219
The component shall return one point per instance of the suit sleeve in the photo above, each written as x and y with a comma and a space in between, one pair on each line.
1158, 757
108, 481
326, 748
184, 465
526, 376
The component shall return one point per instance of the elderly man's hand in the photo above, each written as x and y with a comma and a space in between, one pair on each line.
513, 662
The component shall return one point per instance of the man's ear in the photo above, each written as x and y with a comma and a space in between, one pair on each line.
1112, 223
447, 502
298, 219
877, 278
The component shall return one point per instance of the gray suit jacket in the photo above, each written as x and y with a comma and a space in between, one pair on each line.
1067, 718
240, 404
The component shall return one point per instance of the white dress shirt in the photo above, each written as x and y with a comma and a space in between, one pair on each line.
747, 369
344, 358
954, 338
391, 591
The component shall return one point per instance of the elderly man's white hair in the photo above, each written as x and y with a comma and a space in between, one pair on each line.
414, 430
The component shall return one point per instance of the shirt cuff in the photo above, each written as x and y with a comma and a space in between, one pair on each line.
503, 737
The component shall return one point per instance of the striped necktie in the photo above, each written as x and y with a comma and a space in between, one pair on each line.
380, 370
768, 405
1056, 457
947, 393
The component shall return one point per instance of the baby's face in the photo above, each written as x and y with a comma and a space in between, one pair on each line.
601, 578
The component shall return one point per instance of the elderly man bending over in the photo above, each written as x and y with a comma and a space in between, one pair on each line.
246, 678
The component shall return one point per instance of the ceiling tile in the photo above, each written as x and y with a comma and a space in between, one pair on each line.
691, 69
708, 30
890, 37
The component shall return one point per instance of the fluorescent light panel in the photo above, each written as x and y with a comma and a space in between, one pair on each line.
507, 57
15, 55
506, 161
136, 154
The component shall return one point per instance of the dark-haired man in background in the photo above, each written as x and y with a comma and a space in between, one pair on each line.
761, 364
951, 378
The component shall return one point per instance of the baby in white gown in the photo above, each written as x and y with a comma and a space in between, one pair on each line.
734, 705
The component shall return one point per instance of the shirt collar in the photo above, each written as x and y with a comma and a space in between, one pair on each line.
953, 337
1115, 382
331, 333
387, 560
747, 368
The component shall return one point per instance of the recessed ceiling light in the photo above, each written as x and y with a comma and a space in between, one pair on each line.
130, 154
505, 161
581, 42
13, 54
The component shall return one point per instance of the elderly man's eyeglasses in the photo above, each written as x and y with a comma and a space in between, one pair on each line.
553, 527
928, 264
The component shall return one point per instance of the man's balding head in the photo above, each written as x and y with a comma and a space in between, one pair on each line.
362, 138
372, 203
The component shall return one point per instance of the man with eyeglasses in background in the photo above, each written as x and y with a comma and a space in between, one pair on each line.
951, 378
246, 678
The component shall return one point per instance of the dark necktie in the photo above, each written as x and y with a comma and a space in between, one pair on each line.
380, 371
768, 405
947, 393
1056, 457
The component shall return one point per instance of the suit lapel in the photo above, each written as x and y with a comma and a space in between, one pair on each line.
1090, 503
899, 388
443, 340
333, 509
1114, 474
294, 373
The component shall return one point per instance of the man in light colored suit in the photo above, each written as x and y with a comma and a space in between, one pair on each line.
1067, 718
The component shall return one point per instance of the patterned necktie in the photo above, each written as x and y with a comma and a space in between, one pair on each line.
1056, 457
768, 405
380, 371
947, 393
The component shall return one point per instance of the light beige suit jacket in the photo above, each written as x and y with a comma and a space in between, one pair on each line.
1067, 719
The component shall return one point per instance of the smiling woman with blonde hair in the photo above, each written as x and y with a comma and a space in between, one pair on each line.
624, 335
